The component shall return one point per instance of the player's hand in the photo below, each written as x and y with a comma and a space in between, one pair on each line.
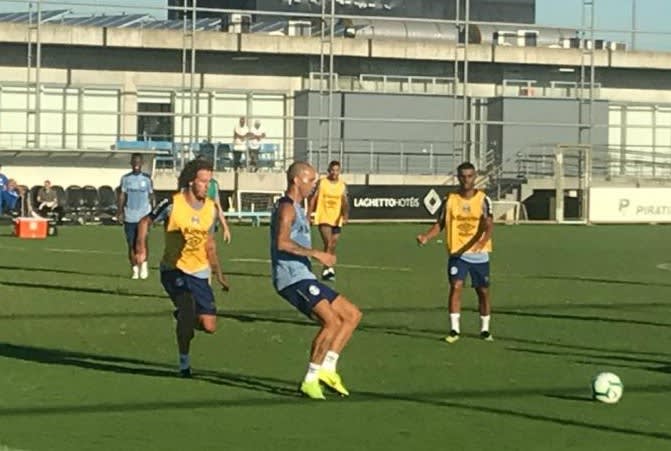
477, 247
422, 239
227, 235
119, 218
325, 258
345, 220
223, 282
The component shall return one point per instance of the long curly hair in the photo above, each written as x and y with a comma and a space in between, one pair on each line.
190, 171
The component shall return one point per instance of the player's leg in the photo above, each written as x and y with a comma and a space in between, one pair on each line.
206, 310
480, 277
350, 317
175, 284
335, 235
306, 296
326, 232
130, 230
143, 265
330, 324
457, 270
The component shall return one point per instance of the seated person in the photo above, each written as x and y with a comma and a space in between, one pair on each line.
47, 202
10, 198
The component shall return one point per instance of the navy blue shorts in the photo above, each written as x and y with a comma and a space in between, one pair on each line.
458, 269
304, 295
177, 282
334, 229
130, 229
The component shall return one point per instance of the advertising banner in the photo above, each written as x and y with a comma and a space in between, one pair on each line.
395, 202
630, 205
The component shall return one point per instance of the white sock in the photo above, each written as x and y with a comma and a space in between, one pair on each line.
143, 266
136, 269
312, 374
330, 361
184, 361
454, 322
484, 323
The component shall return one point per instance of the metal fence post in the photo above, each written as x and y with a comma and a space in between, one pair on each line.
372, 150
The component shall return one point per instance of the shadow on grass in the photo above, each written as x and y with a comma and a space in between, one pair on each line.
34, 269
131, 366
285, 393
613, 359
90, 290
598, 280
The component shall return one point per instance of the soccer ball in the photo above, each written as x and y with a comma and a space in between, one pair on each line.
607, 387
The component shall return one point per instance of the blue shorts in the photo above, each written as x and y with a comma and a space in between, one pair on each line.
177, 282
130, 229
458, 269
307, 293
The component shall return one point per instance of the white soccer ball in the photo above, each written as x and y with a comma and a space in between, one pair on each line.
607, 387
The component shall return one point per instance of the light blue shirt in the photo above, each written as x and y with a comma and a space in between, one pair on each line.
137, 187
289, 268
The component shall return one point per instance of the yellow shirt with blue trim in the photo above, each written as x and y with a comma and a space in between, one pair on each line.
461, 218
329, 202
186, 234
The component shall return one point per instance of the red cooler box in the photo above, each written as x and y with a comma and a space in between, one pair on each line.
31, 228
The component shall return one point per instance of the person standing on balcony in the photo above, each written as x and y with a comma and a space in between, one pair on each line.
240, 136
256, 134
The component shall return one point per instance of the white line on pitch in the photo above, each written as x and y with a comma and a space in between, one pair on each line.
664, 266
65, 250
380, 268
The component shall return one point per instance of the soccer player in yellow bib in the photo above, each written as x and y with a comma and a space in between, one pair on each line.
331, 211
466, 217
190, 255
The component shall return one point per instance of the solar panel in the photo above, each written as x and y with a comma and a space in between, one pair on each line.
268, 27
205, 24
23, 17
116, 21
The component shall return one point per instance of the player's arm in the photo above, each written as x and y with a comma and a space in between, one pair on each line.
213, 259
344, 207
285, 218
435, 228
152, 197
121, 200
486, 226
222, 217
312, 203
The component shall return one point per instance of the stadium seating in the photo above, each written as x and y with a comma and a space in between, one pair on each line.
108, 201
267, 155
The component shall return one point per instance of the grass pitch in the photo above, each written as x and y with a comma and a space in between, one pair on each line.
87, 356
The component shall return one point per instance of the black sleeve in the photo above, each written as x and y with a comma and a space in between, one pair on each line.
161, 211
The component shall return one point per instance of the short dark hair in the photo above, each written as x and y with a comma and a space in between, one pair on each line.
334, 163
190, 171
464, 166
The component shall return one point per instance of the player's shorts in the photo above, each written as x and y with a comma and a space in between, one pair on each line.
307, 293
176, 282
130, 229
458, 269
335, 230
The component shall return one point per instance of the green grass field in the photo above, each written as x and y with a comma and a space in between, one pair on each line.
87, 356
